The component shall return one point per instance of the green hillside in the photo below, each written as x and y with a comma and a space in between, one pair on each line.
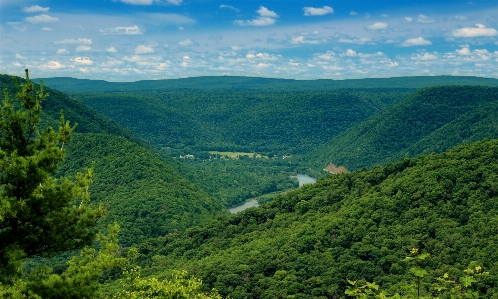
144, 195
430, 120
267, 84
280, 123
140, 190
352, 226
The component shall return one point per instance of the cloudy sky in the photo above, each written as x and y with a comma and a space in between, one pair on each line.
129, 40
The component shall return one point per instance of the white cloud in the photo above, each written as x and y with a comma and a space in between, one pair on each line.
419, 41
83, 60
52, 65
425, 57
35, 8
312, 11
83, 48
302, 40
353, 13
481, 30
131, 30
138, 2
62, 51
185, 43
463, 51
408, 19
229, 7
266, 18
425, 19
84, 41
175, 2
350, 53
46, 29
111, 50
378, 26
142, 49
360, 41
236, 48
460, 18
265, 12
43, 18
18, 56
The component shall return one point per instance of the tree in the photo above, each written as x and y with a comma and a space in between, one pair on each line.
39, 214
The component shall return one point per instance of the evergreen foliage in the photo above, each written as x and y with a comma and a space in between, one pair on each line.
39, 215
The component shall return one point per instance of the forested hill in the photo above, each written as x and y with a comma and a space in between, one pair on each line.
233, 82
141, 191
430, 120
276, 122
360, 225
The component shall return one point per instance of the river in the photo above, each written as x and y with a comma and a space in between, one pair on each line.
302, 178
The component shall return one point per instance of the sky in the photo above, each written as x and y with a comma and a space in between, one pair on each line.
131, 40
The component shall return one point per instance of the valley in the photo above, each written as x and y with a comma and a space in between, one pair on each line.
346, 177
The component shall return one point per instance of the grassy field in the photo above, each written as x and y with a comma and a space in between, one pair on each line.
236, 155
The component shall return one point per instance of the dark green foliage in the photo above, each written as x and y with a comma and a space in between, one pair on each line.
140, 192
181, 121
39, 214
351, 226
431, 120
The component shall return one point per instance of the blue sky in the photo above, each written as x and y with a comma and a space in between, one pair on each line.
129, 40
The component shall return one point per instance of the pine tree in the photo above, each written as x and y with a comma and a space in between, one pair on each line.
39, 214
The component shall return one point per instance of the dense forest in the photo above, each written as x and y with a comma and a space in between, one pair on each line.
165, 158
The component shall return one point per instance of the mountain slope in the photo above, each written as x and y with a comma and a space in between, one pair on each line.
431, 119
352, 226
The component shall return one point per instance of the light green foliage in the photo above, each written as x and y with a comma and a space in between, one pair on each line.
443, 287
180, 286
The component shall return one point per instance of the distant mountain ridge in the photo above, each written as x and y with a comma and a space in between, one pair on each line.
68, 84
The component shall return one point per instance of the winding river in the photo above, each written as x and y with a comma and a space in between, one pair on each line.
302, 178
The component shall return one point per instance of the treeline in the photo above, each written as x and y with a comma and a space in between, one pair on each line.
354, 226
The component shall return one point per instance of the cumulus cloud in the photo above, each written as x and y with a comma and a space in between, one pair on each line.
463, 51
350, 53
52, 65
111, 50
131, 30
19, 56
142, 49
35, 8
419, 41
480, 30
460, 18
312, 11
425, 57
43, 18
378, 26
62, 51
83, 60
266, 18
84, 41
425, 19
408, 19
46, 29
